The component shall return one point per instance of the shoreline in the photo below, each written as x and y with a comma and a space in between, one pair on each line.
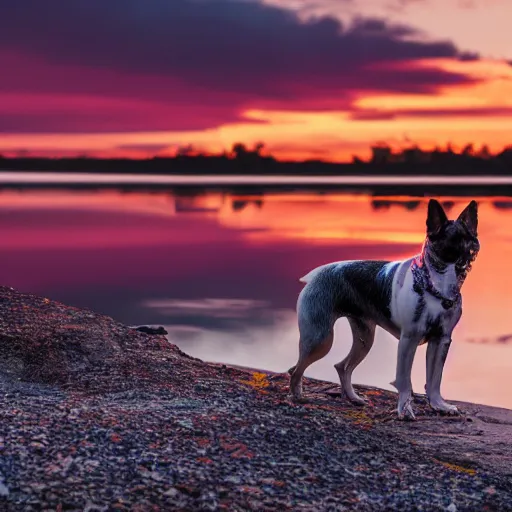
378, 186
100, 177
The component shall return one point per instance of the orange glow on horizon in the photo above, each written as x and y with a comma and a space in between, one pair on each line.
327, 135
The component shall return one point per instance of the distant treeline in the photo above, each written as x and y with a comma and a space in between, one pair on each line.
242, 161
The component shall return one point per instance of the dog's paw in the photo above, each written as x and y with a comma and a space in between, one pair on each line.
407, 415
404, 410
358, 400
444, 408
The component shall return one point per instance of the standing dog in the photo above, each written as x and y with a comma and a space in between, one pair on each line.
417, 300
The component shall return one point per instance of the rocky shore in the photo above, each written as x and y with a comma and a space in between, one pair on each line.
97, 416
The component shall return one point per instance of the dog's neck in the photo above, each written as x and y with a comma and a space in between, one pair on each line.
440, 279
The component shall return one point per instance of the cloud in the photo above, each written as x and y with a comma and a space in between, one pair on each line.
203, 61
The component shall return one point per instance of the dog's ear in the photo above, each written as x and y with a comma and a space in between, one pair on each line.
469, 217
436, 217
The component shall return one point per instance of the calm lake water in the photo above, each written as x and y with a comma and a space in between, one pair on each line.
220, 270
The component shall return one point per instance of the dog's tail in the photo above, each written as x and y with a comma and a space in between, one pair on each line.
309, 277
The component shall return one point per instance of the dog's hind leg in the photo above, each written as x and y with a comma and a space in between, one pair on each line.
316, 322
363, 332
310, 350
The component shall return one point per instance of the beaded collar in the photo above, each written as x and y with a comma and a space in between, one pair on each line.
422, 280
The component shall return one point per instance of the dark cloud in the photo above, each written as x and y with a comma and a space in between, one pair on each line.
377, 27
229, 43
468, 56
227, 53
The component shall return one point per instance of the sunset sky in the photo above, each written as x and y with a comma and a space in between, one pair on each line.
310, 78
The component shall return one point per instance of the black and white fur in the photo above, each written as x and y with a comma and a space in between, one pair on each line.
417, 300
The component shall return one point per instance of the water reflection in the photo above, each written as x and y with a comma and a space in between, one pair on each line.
221, 270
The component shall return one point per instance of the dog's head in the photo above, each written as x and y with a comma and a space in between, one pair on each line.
453, 241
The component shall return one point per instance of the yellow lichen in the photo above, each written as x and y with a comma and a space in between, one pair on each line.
258, 381
457, 468
359, 418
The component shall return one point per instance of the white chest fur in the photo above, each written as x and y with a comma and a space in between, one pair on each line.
422, 313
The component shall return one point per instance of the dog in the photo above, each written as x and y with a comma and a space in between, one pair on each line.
417, 300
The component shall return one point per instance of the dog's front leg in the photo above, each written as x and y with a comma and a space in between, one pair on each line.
437, 351
406, 350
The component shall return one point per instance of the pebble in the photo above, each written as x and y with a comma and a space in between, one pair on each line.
4, 491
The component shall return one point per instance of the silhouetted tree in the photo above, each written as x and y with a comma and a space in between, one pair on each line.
187, 150
484, 152
259, 147
239, 150
468, 150
381, 153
